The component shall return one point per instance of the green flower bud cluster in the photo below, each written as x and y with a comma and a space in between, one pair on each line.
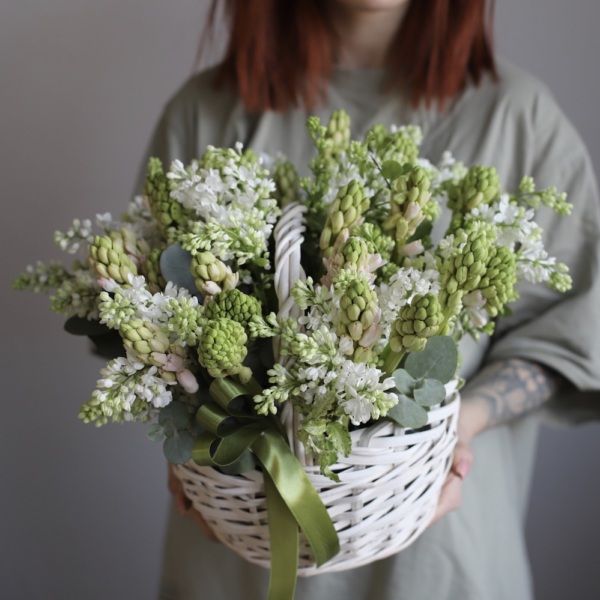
99, 412
416, 323
359, 314
498, 283
147, 340
287, 183
207, 269
109, 258
222, 348
344, 213
337, 133
235, 305
185, 320
354, 254
480, 185
218, 158
551, 197
167, 211
373, 234
410, 194
41, 278
463, 270
401, 146
151, 268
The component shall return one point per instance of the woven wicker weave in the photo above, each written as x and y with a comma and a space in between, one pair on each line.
390, 482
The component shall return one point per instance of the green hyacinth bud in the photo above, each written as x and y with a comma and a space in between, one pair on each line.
480, 185
372, 233
154, 279
109, 259
359, 308
209, 272
410, 194
234, 305
337, 134
167, 211
498, 284
354, 254
145, 339
400, 146
344, 213
416, 323
286, 183
222, 348
463, 271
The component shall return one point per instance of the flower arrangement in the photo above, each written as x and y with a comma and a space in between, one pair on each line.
180, 293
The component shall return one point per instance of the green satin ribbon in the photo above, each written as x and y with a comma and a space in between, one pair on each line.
292, 501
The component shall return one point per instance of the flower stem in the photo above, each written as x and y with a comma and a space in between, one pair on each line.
391, 360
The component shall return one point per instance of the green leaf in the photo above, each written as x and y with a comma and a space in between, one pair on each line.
109, 345
429, 392
175, 267
423, 230
407, 413
391, 169
405, 383
178, 447
156, 433
439, 360
81, 326
176, 413
340, 437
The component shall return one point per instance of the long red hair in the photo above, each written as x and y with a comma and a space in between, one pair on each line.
280, 52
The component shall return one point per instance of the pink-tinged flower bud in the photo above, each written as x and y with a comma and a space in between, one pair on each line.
187, 381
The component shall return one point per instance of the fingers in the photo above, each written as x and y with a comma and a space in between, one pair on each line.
462, 460
185, 507
451, 494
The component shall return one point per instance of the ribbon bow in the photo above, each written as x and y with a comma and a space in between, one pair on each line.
292, 501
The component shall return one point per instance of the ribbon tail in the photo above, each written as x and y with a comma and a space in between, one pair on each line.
283, 534
298, 493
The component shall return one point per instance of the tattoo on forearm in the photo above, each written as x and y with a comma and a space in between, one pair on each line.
513, 387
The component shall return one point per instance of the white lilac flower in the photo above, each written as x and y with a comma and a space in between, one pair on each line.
78, 235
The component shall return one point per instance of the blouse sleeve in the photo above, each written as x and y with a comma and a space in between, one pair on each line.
562, 331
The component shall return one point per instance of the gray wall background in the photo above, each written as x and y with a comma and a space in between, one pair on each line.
82, 510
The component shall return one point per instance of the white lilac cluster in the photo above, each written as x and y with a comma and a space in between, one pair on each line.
231, 203
128, 390
513, 219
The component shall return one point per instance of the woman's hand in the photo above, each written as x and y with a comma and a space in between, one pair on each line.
185, 508
451, 494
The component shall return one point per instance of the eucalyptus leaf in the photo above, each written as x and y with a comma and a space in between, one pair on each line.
156, 433
175, 265
178, 447
429, 392
407, 413
439, 360
176, 413
168, 428
391, 169
81, 326
405, 383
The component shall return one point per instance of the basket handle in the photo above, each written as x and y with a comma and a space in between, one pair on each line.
288, 269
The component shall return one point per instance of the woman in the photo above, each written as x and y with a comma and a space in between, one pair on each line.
427, 62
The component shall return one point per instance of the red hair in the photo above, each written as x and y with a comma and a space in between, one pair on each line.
281, 52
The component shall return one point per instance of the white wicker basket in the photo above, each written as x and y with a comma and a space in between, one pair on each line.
390, 482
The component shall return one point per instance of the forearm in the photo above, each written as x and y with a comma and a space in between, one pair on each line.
503, 391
